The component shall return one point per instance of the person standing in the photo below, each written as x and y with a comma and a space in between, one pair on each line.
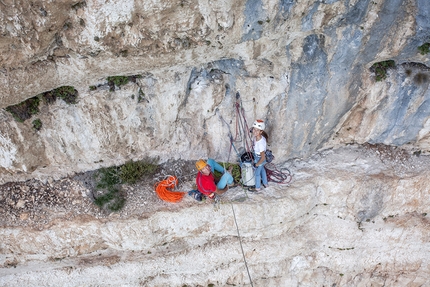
260, 145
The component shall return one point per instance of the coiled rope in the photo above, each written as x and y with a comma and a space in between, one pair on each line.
163, 192
280, 176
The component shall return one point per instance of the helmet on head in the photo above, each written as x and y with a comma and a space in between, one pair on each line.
259, 124
200, 164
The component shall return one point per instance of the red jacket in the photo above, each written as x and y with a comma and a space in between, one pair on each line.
205, 183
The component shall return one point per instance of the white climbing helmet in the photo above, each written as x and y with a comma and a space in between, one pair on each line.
259, 124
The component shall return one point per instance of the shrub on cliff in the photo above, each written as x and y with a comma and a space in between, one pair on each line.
30, 107
380, 69
119, 81
24, 110
110, 179
424, 48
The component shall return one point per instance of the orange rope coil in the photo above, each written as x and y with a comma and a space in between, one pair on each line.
163, 193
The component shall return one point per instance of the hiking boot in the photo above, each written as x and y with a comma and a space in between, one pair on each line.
197, 195
254, 189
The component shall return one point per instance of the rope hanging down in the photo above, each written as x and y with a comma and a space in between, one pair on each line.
161, 188
241, 247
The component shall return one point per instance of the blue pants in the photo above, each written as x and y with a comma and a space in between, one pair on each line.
260, 173
226, 178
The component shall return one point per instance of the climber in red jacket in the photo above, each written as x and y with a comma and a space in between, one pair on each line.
206, 181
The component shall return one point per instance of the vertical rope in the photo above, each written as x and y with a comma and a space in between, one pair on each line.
244, 125
241, 247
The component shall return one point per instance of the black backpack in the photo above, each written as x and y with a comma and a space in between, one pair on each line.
269, 155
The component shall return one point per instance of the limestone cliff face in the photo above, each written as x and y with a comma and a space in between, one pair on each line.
303, 66
350, 217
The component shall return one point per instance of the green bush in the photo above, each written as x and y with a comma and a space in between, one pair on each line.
37, 124
113, 199
110, 179
66, 93
131, 171
424, 48
118, 80
101, 200
24, 110
380, 69
121, 80
30, 107
107, 177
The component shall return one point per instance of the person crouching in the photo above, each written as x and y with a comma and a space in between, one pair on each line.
206, 182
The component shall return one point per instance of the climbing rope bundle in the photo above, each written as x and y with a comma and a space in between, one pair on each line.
280, 176
163, 192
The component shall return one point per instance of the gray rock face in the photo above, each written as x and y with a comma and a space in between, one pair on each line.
322, 74
303, 67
